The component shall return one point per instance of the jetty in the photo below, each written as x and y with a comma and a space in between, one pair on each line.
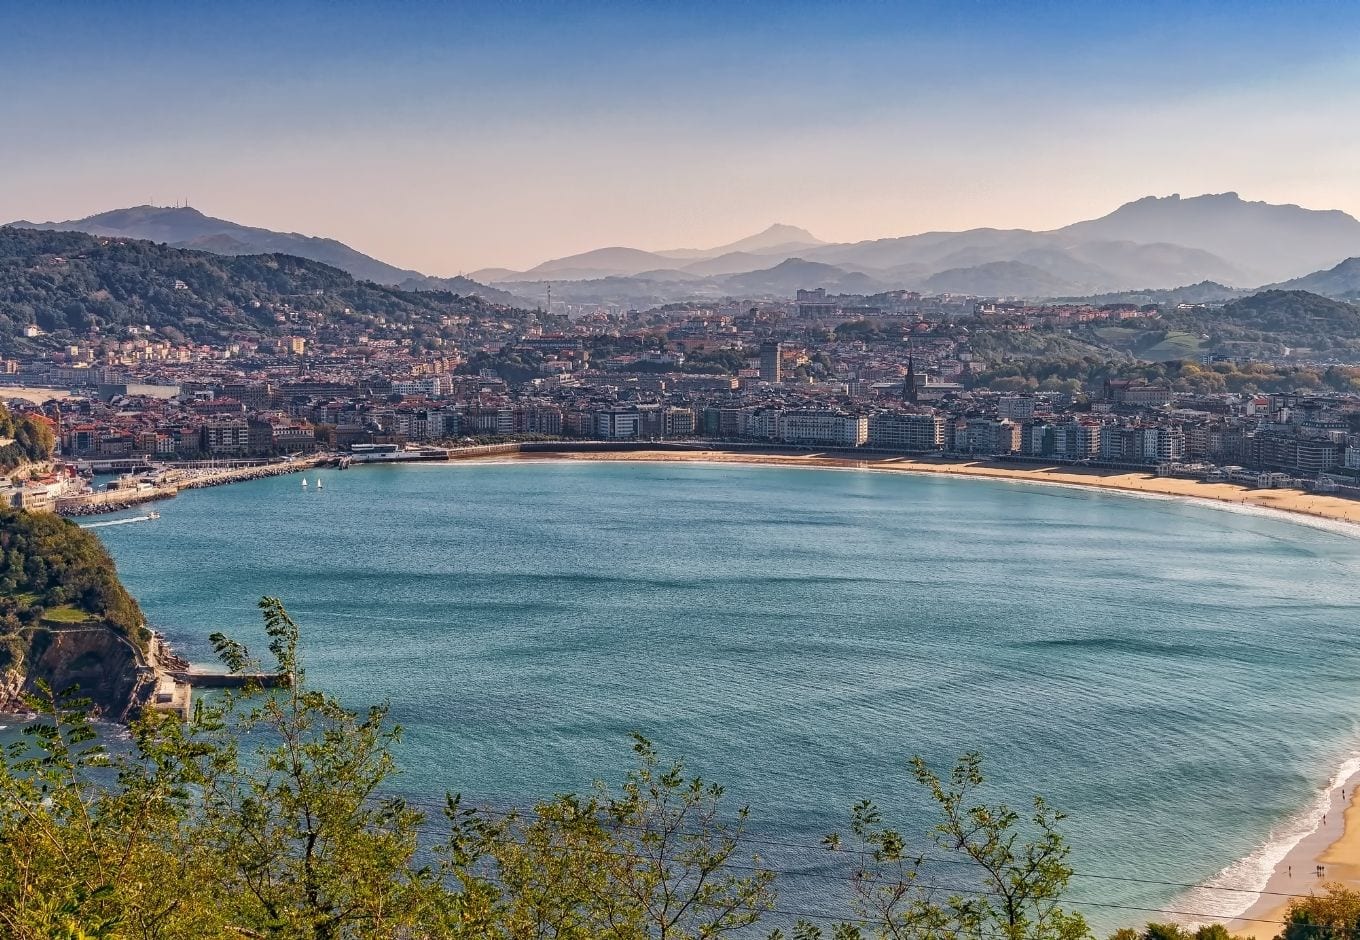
170, 679
205, 679
173, 689
168, 481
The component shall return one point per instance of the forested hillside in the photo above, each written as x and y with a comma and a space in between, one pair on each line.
1275, 323
1274, 328
52, 569
68, 283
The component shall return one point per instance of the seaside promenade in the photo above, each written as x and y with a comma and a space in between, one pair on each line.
1333, 507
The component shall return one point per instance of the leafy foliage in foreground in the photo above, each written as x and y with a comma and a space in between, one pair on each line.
270, 815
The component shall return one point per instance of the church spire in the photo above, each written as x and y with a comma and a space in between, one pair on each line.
909, 386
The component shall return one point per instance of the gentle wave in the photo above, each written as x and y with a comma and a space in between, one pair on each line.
1121, 644
1250, 875
799, 667
1337, 526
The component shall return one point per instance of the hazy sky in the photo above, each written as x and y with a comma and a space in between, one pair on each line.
451, 136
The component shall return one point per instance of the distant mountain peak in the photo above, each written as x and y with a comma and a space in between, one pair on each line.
1341, 282
788, 233
779, 238
778, 235
1266, 241
1224, 201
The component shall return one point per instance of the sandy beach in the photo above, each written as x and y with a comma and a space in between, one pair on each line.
1334, 843
1316, 505
1330, 854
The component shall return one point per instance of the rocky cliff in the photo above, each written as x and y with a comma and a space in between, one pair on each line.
102, 664
65, 618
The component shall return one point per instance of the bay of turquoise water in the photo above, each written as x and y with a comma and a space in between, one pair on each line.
1180, 679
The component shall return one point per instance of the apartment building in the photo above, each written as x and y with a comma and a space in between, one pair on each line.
898, 430
823, 427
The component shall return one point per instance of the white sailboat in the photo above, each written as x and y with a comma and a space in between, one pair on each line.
304, 483
318, 482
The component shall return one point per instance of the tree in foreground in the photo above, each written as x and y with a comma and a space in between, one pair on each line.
998, 876
270, 814
1334, 915
1162, 931
655, 859
96, 846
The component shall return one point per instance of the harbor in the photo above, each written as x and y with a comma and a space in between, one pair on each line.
155, 483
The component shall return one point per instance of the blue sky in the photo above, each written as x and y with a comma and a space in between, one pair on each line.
450, 136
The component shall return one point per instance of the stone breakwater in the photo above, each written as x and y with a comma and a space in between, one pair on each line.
218, 477
102, 501
98, 503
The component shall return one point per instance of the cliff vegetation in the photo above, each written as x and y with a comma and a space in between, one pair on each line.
65, 618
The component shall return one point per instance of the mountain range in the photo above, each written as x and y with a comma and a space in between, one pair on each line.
1151, 243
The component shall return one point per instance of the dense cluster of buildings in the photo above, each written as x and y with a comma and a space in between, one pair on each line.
892, 373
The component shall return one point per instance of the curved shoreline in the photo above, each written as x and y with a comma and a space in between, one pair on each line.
1306, 842
1320, 510
1330, 845
1325, 833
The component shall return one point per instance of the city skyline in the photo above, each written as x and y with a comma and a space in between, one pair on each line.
452, 138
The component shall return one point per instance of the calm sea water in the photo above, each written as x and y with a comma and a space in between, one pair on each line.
1180, 679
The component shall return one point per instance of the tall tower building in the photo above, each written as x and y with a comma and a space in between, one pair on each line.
771, 369
910, 393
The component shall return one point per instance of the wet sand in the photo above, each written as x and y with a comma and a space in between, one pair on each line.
1335, 846
1317, 505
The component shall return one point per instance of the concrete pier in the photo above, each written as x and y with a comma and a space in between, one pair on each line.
198, 679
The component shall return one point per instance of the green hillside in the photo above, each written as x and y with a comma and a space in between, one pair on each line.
1276, 323
52, 570
68, 283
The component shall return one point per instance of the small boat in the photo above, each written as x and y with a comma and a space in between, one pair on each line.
304, 483
153, 515
318, 482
